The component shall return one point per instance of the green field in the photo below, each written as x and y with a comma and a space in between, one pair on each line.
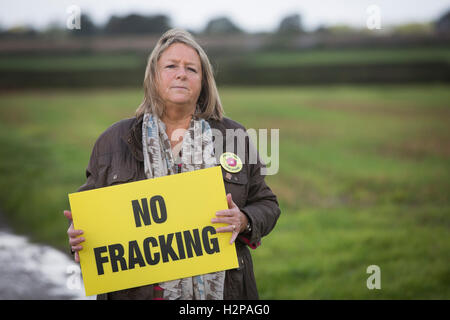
347, 56
364, 180
118, 61
73, 62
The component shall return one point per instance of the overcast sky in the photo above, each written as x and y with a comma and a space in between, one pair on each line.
251, 15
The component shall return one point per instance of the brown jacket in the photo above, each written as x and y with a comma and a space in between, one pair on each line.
117, 158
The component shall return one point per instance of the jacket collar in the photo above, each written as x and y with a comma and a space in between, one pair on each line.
133, 138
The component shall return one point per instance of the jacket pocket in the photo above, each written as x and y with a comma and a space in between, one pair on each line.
234, 284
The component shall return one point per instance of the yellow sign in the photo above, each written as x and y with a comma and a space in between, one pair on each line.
152, 231
231, 162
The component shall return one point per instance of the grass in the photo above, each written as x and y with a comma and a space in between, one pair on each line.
324, 254
364, 179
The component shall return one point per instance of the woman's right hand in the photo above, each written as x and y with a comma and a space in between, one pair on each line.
74, 236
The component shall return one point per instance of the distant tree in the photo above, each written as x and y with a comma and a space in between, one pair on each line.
413, 28
54, 29
221, 25
20, 31
291, 24
342, 29
87, 27
442, 25
137, 24
322, 29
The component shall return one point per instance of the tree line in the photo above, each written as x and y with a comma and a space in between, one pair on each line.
157, 24
151, 24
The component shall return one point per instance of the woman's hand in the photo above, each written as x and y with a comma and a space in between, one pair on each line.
74, 236
234, 217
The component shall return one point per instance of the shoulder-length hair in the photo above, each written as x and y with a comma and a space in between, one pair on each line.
208, 104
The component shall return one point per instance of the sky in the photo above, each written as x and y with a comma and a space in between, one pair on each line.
250, 15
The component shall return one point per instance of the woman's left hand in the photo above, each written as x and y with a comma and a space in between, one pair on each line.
234, 217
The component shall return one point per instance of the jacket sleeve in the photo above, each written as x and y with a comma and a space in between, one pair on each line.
262, 207
90, 181
91, 172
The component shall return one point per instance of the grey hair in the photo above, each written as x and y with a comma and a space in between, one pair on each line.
209, 105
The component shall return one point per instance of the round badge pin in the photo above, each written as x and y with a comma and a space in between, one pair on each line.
230, 162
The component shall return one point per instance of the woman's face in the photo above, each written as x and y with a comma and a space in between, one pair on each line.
180, 73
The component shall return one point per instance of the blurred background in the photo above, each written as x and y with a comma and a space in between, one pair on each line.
359, 91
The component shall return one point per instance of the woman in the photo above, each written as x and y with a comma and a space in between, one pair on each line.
172, 126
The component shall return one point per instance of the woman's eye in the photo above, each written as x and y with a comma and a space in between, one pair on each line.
170, 66
192, 69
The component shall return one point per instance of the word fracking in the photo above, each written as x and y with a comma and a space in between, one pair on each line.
188, 243
154, 250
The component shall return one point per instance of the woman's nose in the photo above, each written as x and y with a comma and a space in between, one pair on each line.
181, 73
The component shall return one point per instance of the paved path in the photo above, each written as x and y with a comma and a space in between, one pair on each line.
35, 271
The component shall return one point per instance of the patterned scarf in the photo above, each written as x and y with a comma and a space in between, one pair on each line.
197, 152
